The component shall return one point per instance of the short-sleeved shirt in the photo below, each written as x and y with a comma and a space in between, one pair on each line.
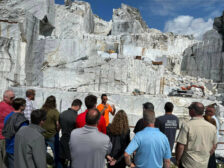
100, 107
168, 124
198, 136
50, 124
139, 126
5, 109
81, 122
29, 108
89, 147
151, 147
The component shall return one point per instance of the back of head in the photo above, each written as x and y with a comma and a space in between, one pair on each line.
198, 108
50, 103
149, 116
30, 92
18, 102
148, 106
90, 101
92, 117
37, 116
119, 124
77, 102
168, 107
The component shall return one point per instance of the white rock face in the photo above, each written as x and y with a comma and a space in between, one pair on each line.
127, 20
70, 22
102, 27
205, 59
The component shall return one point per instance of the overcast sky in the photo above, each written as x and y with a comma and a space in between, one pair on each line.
178, 16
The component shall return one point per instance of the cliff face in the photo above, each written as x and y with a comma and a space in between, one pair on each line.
67, 49
205, 59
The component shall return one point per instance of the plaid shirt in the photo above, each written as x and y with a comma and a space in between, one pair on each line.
29, 108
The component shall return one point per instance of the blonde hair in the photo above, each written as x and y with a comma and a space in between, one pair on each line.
119, 124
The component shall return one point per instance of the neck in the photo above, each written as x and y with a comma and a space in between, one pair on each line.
104, 103
92, 125
199, 116
151, 125
74, 108
168, 112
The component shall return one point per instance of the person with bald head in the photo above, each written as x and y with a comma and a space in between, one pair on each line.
196, 140
5, 109
88, 146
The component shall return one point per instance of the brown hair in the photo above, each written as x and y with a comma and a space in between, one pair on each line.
119, 124
50, 103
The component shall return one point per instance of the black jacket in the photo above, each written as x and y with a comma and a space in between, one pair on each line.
119, 142
13, 124
67, 121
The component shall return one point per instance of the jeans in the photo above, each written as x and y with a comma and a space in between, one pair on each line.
10, 160
53, 142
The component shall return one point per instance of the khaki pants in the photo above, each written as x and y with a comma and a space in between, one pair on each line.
2, 153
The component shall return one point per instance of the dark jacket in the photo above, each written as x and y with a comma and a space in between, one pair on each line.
119, 144
13, 124
67, 120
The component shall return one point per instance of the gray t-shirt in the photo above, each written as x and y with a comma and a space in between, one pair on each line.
168, 124
89, 147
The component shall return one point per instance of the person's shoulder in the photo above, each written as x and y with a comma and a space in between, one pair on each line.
83, 114
103, 136
99, 106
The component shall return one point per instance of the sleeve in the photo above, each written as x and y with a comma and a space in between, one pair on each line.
109, 148
215, 138
167, 154
99, 107
139, 126
39, 153
157, 123
178, 126
102, 125
133, 146
110, 108
182, 137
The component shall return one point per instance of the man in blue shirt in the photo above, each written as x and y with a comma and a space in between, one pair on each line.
151, 146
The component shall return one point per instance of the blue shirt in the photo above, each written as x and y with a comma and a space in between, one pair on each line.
10, 142
151, 147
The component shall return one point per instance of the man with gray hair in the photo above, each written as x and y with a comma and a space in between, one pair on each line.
151, 146
5, 109
196, 140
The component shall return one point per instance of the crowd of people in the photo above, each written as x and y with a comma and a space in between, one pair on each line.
89, 140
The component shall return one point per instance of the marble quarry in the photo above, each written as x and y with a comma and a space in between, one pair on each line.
68, 51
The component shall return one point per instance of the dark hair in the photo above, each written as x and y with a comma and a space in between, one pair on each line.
37, 116
198, 108
50, 103
148, 106
18, 102
30, 92
92, 116
90, 101
77, 102
103, 95
168, 107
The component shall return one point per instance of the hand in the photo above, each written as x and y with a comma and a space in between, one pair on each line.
113, 162
132, 165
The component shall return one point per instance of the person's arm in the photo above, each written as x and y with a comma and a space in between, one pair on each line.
179, 152
39, 153
128, 160
213, 149
167, 163
113, 109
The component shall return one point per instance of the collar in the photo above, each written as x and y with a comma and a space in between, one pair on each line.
152, 128
37, 127
197, 118
72, 110
90, 127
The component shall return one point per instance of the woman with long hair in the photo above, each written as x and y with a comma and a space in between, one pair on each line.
119, 134
51, 125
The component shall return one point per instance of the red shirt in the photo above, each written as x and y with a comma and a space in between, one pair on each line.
5, 109
81, 121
